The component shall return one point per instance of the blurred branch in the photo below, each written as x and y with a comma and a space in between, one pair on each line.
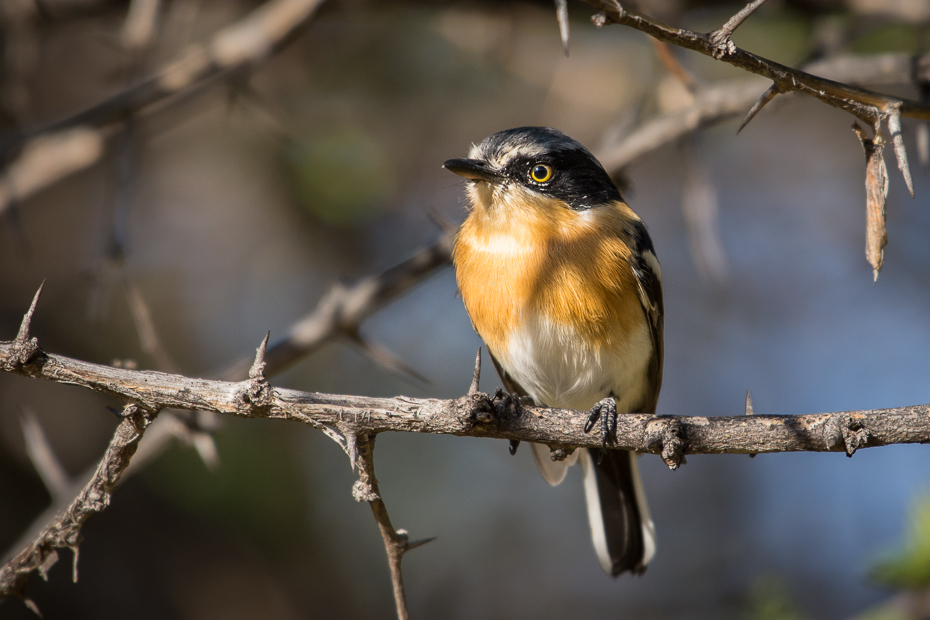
47, 159
43, 458
716, 103
341, 311
246, 43
139, 28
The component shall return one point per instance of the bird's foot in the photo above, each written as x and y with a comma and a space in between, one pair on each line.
505, 404
501, 406
604, 411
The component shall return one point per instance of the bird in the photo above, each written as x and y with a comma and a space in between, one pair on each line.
560, 280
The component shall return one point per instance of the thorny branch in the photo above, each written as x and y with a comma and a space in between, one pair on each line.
718, 102
340, 312
396, 542
346, 418
64, 531
868, 106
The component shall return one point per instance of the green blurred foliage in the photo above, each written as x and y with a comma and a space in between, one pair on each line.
343, 177
770, 598
257, 491
891, 37
883, 613
909, 568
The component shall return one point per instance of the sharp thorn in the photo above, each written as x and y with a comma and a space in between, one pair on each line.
418, 543
23, 334
258, 367
476, 376
894, 127
31, 606
723, 33
205, 445
561, 14
767, 96
749, 409
352, 448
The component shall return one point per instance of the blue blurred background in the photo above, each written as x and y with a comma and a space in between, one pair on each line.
243, 211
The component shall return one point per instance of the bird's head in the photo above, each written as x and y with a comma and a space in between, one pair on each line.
533, 168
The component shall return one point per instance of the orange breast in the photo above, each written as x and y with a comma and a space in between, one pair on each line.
568, 267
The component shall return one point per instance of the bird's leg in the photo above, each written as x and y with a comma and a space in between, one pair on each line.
605, 411
504, 402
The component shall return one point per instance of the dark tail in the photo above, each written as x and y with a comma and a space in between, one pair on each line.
621, 528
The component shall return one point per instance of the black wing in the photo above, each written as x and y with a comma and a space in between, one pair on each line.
649, 280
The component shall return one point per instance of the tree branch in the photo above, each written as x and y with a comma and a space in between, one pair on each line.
353, 421
821, 432
343, 309
396, 542
715, 103
64, 531
863, 103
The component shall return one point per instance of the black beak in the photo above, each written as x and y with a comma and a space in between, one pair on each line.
474, 169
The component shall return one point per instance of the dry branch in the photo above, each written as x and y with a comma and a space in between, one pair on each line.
821, 432
353, 421
716, 103
863, 103
64, 531
343, 309
396, 542
341, 312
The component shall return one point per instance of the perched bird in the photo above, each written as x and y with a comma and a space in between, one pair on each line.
560, 280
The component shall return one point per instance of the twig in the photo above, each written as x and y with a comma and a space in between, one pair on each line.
699, 206
715, 103
341, 311
43, 457
48, 158
475, 385
396, 542
354, 304
864, 104
561, 14
64, 532
721, 36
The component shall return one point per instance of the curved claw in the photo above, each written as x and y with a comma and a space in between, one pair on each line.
604, 411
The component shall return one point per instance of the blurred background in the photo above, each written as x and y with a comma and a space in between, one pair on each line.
233, 208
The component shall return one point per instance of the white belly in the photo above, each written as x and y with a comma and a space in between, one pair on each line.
557, 370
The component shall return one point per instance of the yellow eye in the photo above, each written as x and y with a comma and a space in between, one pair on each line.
541, 173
